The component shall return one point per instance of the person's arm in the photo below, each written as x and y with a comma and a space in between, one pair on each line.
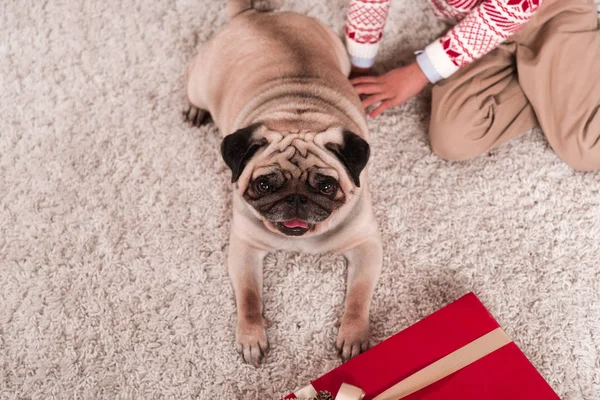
364, 29
482, 30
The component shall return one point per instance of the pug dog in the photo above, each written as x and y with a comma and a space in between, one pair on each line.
296, 141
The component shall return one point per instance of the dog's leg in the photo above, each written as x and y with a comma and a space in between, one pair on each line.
195, 112
364, 267
245, 265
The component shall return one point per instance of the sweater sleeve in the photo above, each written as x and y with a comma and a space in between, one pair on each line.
364, 29
481, 31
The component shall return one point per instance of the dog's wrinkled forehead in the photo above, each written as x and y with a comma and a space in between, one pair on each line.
298, 151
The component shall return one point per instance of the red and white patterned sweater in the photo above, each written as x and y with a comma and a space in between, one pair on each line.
481, 25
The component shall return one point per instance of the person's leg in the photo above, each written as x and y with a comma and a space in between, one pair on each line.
479, 107
559, 70
364, 29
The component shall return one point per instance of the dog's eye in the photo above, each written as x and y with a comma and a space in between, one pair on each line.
327, 187
262, 186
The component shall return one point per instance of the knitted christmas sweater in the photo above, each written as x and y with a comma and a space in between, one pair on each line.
481, 25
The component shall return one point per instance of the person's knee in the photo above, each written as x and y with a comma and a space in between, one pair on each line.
449, 141
576, 143
580, 158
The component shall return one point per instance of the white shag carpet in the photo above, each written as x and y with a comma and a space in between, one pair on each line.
114, 218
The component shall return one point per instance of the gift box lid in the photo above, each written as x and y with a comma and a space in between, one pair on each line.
504, 374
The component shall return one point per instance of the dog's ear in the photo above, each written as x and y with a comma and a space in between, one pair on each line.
238, 148
353, 153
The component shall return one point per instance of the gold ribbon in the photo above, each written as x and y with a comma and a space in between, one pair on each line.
437, 371
349, 392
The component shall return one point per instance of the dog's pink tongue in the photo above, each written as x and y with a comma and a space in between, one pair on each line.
295, 223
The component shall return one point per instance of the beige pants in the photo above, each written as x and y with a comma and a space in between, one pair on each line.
547, 74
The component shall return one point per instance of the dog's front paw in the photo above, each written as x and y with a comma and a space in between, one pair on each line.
353, 336
195, 116
251, 338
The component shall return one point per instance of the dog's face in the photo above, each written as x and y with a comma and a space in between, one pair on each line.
296, 182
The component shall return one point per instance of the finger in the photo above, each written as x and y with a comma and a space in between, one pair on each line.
246, 354
264, 347
369, 101
355, 350
191, 115
364, 346
256, 354
264, 350
364, 79
369, 88
339, 345
199, 118
384, 106
346, 352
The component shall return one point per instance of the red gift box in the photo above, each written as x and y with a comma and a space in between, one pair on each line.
441, 341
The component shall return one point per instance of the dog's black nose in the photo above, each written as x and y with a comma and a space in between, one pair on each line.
296, 199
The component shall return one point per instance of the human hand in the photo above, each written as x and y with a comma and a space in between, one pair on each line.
391, 89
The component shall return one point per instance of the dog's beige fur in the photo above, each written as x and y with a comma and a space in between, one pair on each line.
285, 75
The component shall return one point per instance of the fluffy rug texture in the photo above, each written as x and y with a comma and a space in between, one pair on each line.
115, 217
